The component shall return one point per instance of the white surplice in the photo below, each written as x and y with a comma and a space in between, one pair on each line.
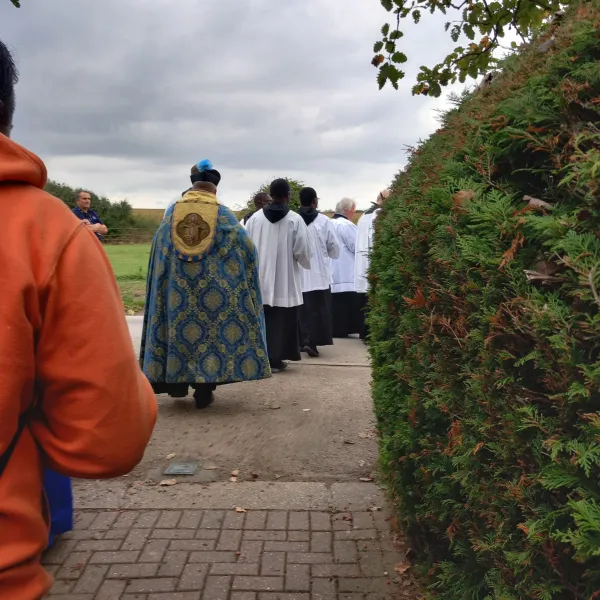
364, 243
324, 244
283, 251
342, 268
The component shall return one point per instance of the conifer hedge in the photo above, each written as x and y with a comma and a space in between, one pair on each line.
486, 330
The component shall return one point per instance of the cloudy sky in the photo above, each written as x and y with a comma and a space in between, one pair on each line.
122, 97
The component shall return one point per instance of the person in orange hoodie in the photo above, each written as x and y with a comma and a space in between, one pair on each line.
72, 397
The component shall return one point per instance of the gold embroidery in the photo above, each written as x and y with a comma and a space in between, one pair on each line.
193, 229
193, 224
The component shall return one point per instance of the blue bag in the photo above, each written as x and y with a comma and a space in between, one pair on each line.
60, 503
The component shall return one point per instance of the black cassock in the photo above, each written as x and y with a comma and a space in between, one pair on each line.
315, 319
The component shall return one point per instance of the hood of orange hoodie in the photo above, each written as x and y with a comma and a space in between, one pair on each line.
18, 165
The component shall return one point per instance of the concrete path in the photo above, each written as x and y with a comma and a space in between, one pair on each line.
281, 505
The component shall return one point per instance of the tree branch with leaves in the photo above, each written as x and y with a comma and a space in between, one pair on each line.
483, 22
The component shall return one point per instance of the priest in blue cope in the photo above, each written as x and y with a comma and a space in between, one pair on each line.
204, 322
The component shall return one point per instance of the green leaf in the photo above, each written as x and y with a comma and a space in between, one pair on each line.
399, 57
416, 15
378, 47
388, 5
396, 35
385, 29
381, 77
390, 47
469, 31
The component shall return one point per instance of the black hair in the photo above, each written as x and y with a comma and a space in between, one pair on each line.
8, 79
307, 196
280, 188
261, 196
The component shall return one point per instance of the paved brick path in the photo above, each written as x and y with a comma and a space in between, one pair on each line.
225, 555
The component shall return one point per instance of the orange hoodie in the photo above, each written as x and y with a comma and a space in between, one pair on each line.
64, 345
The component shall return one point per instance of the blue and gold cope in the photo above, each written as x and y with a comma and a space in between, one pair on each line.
204, 321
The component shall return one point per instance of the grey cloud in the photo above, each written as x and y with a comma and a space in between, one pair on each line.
259, 85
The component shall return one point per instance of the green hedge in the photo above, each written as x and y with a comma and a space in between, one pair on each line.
486, 331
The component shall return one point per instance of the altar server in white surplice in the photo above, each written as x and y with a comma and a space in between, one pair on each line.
281, 238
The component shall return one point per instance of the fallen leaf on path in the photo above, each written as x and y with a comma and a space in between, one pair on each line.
254, 475
233, 480
402, 567
366, 479
235, 473
131, 313
170, 456
375, 508
306, 410
275, 406
211, 468
168, 482
349, 442
239, 509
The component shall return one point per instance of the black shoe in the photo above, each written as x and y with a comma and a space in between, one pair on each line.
312, 352
203, 398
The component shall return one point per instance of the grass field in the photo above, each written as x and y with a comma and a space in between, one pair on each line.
130, 264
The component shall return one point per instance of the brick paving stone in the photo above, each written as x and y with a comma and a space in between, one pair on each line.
153, 551
274, 536
193, 577
83, 520
111, 589
250, 552
125, 520
58, 554
286, 546
73, 565
207, 534
153, 585
356, 534
85, 534
173, 534
345, 570
298, 536
168, 519
258, 584
345, 552
104, 520
349, 596
256, 520
75, 597
362, 520
173, 563
109, 558
133, 571
364, 585
230, 539
116, 534
320, 521
310, 558
370, 559
282, 596
217, 588
234, 520
193, 545
273, 564
297, 578
298, 521
190, 519
136, 539
320, 541
175, 596
98, 545
62, 587
323, 589
277, 520
91, 579
212, 519
147, 519
233, 569
212, 557
341, 522
243, 596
